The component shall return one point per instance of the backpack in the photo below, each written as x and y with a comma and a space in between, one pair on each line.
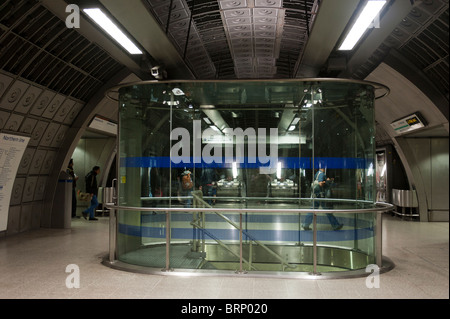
186, 181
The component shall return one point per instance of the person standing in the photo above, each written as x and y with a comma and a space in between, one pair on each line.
186, 187
91, 188
71, 172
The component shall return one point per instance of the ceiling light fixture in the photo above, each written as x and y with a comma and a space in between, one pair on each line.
368, 14
106, 24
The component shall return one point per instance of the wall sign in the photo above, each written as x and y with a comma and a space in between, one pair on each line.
12, 148
410, 123
104, 125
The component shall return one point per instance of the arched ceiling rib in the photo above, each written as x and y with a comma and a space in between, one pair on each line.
37, 46
421, 36
51, 76
237, 38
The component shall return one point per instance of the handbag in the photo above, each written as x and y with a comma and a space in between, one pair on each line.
84, 197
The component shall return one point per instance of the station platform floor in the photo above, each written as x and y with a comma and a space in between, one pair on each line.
33, 266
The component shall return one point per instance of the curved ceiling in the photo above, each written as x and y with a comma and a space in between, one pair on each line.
52, 77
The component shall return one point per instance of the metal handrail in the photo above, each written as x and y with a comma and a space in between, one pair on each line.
381, 207
377, 86
283, 262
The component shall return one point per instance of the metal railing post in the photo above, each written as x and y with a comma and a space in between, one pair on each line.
379, 239
112, 235
167, 241
240, 244
314, 244
113, 229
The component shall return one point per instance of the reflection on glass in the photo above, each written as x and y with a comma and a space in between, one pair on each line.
244, 144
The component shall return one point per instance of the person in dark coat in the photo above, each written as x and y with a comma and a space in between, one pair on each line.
71, 172
91, 188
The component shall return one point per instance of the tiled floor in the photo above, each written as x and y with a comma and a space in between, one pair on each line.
33, 265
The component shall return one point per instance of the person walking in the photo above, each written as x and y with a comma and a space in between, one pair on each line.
321, 189
91, 188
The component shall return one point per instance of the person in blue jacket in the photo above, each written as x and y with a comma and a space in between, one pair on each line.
321, 188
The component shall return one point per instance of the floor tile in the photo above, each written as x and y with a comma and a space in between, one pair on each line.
34, 265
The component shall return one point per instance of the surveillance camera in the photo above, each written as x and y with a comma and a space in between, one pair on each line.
158, 72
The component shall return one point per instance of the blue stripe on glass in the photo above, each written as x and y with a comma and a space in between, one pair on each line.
261, 235
287, 162
252, 218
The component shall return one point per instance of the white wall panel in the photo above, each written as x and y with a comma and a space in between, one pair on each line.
4, 116
49, 134
439, 179
48, 163
13, 123
64, 110
13, 95
25, 218
28, 126
38, 132
26, 161
30, 186
5, 81
28, 100
40, 188
13, 220
16, 194
38, 161
53, 106
42, 102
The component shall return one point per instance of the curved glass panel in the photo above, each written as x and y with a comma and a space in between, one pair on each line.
261, 145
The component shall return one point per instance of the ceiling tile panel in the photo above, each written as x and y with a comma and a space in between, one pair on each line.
59, 136
42, 102
5, 81
53, 106
13, 123
14, 94
64, 110
49, 135
73, 112
4, 116
28, 126
28, 100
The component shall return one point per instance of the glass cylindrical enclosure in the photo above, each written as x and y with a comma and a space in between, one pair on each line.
262, 176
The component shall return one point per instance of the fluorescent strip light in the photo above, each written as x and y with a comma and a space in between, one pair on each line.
279, 170
291, 128
372, 9
234, 169
106, 24
215, 128
295, 121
